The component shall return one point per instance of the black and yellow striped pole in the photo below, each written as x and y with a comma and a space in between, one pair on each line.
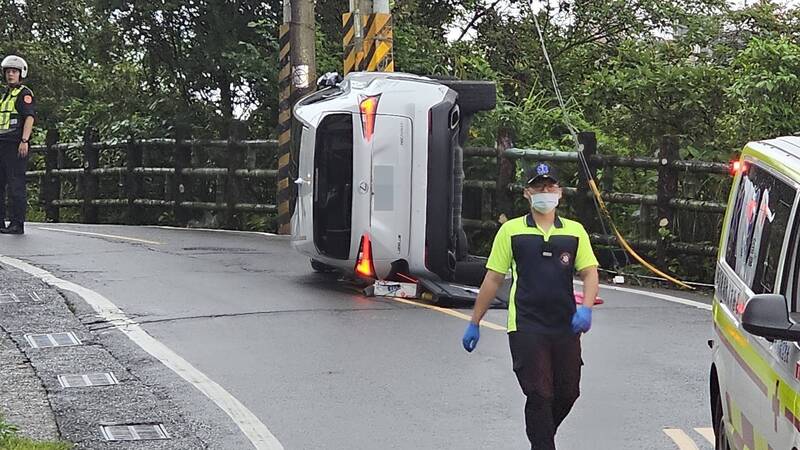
367, 37
350, 42
378, 42
284, 194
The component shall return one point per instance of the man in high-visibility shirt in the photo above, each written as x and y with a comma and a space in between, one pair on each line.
17, 112
543, 252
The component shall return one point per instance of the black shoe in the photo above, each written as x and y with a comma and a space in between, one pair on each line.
14, 228
2, 225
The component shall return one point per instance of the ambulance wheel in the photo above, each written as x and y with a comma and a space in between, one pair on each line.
321, 267
719, 425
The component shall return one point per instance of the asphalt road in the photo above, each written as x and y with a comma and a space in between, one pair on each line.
324, 367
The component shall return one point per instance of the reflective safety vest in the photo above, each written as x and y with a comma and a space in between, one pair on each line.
9, 116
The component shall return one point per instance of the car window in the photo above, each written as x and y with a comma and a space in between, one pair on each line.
759, 222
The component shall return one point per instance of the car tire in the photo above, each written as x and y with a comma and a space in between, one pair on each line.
321, 267
473, 96
721, 440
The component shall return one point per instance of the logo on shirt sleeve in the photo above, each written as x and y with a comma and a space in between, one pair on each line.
27, 99
565, 258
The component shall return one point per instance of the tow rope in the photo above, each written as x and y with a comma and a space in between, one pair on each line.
598, 200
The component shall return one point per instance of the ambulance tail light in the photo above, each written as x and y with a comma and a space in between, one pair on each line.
364, 265
369, 109
736, 166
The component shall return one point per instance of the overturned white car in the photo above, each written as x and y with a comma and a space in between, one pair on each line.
379, 176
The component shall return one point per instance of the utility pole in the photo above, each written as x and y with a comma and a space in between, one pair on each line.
297, 77
368, 40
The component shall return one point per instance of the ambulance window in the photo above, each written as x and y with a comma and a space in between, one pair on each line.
790, 285
759, 223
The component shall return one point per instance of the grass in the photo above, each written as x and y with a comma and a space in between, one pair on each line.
9, 440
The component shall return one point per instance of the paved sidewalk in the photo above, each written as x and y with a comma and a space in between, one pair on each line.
32, 398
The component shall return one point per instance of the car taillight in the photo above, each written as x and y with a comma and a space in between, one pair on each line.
364, 265
369, 109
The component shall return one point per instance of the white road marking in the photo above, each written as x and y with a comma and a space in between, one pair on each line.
110, 236
255, 431
216, 230
666, 297
707, 433
683, 441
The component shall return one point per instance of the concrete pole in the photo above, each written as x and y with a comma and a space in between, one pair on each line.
302, 30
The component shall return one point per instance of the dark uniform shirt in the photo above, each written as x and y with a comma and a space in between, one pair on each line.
542, 266
15, 105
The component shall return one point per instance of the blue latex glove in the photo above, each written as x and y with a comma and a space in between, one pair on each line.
471, 336
582, 320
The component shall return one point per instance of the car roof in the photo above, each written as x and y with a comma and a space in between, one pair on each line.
782, 152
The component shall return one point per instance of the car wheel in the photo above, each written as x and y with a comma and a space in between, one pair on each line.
719, 426
321, 267
473, 96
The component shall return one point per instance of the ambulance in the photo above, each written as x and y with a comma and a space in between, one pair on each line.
755, 369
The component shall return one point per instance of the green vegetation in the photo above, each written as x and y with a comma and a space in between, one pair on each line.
9, 440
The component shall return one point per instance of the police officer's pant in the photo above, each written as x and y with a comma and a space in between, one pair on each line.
13, 168
548, 368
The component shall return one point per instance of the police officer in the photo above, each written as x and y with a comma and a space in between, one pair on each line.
17, 111
543, 252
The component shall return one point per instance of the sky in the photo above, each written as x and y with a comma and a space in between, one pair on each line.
455, 32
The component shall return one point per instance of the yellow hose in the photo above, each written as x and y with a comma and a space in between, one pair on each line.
625, 244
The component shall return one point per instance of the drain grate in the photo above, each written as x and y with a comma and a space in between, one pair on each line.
52, 340
89, 379
137, 432
8, 297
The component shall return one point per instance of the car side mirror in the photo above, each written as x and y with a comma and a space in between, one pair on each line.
767, 315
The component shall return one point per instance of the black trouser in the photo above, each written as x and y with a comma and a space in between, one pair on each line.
548, 368
13, 168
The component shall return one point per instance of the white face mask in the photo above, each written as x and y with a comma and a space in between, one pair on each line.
544, 202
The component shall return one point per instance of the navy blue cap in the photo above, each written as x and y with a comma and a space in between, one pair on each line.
541, 171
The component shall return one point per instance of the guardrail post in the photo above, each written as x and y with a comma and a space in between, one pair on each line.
182, 187
133, 181
504, 199
667, 189
50, 190
91, 182
584, 203
235, 158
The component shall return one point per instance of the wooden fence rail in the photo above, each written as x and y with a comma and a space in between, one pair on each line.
240, 158
239, 164
666, 201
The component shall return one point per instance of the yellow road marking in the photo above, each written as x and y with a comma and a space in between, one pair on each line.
449, 312
707, 433
680, 438
112, 236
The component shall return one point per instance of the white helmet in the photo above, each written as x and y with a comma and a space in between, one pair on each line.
15, 62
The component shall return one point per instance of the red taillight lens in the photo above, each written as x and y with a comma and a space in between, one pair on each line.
369, 109
364, 265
